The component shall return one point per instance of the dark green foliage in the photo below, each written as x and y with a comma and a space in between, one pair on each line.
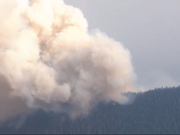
153, 112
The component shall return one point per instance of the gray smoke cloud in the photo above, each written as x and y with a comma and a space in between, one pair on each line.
49, 60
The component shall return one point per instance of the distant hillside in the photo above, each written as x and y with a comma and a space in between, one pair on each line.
154, 111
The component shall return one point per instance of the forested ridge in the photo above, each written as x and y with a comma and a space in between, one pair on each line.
155, 111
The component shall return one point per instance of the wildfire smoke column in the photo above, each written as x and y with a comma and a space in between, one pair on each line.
50, 61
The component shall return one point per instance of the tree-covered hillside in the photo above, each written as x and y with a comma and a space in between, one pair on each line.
154, 111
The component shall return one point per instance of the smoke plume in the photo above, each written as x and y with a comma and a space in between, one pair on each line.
48, 60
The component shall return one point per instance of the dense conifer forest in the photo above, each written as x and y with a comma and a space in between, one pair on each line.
154, 112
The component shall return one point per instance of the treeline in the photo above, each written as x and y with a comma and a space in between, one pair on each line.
153, 112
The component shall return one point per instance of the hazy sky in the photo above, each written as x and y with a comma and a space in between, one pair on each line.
150, 29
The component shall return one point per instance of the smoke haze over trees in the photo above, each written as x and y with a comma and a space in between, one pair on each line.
154, 112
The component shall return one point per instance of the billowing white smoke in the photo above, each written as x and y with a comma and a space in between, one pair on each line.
49, 60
